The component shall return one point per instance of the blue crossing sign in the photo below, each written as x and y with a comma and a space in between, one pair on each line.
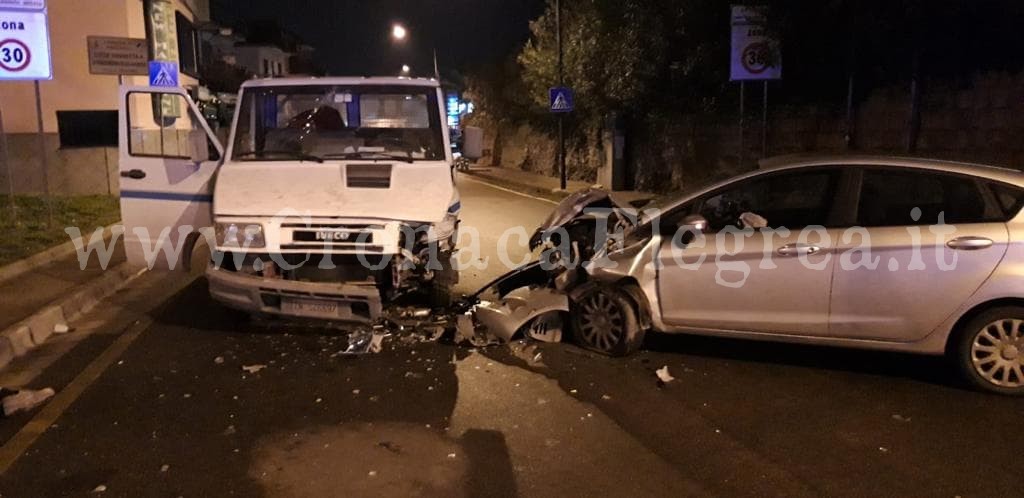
163, 73
561, 99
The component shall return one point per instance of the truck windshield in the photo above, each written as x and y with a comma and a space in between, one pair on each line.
319, 122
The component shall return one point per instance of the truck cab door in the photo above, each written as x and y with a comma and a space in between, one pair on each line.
168, 158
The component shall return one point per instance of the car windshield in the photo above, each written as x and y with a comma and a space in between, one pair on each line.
319, 122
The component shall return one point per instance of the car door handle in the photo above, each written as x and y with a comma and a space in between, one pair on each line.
970, 243
793, 250
135, 174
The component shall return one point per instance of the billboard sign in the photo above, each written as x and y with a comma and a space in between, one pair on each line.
118, 56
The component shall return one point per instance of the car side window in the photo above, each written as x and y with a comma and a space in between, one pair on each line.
786, 200
1010, 199
889, 198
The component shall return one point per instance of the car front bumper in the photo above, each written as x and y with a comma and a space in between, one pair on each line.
353, 303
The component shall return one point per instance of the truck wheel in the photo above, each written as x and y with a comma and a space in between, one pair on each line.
606, 320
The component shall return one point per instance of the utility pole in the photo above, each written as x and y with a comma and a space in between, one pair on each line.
561, 82
437, 70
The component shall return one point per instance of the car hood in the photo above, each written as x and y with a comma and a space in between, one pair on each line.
421, 191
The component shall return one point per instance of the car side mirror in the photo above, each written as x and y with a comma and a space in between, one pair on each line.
691, 226
199, 145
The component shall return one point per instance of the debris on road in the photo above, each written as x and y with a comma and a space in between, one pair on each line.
663, 376
165, 468
363, 341
25, 400
61, 328
900, 418
219, 360
100, 489
253, 369
229, 431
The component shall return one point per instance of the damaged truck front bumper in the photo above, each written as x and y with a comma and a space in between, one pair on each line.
354, 303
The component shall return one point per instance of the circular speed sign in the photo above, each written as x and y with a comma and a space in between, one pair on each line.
757, 58
14, 55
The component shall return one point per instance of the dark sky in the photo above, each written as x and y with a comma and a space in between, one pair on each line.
352, 37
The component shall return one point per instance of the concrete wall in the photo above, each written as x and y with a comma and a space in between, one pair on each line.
71, 171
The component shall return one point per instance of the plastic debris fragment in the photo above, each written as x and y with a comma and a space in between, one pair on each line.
25, 400
663, 376
253, 369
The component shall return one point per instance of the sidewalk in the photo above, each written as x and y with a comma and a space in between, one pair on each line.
51, 289
24, 295
543, 185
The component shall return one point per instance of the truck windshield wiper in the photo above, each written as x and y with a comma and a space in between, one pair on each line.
301, 156
370, 155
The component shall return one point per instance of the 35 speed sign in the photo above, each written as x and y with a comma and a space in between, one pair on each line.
24, 46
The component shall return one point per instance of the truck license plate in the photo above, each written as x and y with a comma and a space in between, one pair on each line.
310, 307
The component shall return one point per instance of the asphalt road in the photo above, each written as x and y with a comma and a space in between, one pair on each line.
154, 402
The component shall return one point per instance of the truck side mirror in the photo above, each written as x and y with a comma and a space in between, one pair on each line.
199, 146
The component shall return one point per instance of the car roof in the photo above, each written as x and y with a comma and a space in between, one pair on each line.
346, 81
1005, 175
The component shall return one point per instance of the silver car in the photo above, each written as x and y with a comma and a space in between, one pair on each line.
884, 253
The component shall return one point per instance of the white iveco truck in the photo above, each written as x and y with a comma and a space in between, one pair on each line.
331, 196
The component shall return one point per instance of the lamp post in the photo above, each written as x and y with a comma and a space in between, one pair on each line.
399, 34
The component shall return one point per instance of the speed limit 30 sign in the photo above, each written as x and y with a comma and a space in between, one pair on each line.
755, 49
24, 46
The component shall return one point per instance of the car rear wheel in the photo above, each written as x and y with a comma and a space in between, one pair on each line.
605, 320
990, 352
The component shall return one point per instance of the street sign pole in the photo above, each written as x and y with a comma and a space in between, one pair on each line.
42, 156
764, 123
563, 174
5, 155
743, 98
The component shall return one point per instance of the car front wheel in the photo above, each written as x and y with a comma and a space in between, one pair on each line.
605, 320
990, 352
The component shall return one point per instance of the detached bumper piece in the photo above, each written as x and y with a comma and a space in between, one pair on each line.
324, 301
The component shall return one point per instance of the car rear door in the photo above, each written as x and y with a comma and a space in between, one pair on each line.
902, 273
168, 157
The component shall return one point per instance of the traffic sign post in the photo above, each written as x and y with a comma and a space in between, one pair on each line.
756, 56
25, 56
163, 74
561, 100
118, 56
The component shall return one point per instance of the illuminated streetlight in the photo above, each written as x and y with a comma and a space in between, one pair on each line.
398, 32
406, 69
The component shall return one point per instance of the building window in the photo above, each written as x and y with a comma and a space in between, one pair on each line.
87, 128
280, 69
188, 45
266, 67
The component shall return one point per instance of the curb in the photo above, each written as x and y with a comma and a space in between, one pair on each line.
20, 338
518, 186
23, 266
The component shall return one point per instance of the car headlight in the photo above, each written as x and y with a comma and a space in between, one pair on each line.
240, 235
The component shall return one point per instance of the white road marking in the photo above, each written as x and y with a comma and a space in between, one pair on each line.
503, 189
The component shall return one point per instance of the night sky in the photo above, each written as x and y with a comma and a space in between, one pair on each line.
352, 37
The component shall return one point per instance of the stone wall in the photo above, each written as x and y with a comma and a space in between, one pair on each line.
980, 120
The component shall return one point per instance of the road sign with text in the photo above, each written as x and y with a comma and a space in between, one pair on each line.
118, 56
24, 43
756, 54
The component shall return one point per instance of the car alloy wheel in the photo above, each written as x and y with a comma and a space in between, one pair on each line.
997, 353
605, 320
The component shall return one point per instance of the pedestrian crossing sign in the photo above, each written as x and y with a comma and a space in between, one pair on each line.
561, 99
163, 74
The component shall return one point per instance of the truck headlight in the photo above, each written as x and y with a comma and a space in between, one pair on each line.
440, 232
240, 236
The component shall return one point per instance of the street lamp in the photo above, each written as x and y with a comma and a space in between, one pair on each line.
406, 69
399, 34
